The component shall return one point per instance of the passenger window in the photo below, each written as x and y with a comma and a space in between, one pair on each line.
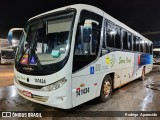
95, 41
130, 41
147, 47
137, 44
117, 38
87, 42
110, 34
125, 40
141, 45
134, 43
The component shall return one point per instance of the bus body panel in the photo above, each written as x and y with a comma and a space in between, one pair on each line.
122, 64
83, 88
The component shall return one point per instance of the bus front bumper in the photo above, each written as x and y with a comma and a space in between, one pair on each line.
59, 98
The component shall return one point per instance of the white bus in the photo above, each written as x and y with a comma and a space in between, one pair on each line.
156, 56
73, 54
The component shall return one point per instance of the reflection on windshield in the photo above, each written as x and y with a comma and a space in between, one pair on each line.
46, 41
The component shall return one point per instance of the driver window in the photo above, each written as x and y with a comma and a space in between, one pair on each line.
87, 39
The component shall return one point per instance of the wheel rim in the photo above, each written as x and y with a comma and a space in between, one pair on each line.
106, 88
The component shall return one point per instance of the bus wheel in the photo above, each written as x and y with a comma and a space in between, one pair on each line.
143, 74
106, 89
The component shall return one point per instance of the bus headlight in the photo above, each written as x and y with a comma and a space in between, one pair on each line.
54, 85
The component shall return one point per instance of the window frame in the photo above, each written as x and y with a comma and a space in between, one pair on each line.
122, 33
130, 43
141, 45
105, 37
133, 41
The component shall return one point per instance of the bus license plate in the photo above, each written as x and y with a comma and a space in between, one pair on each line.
28, 94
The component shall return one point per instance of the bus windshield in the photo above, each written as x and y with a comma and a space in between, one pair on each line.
46, 41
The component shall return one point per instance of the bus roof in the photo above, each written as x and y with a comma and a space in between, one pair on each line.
76, 6
79, 7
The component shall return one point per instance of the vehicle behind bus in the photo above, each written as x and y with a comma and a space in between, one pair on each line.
7, 56
6, 53
156, 56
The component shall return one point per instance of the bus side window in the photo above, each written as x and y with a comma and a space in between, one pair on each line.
78, 44
141, 45
125, 39
147, 47
137, 44
134, 43
87, 39
110, 34
117, 38
130, 42
95, 41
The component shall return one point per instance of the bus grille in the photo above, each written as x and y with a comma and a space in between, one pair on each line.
35, 97
30, 86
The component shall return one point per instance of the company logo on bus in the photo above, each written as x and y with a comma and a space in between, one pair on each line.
28, 68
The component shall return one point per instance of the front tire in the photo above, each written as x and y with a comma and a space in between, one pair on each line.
106, 89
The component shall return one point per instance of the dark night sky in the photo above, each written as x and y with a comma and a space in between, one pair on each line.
141, 15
